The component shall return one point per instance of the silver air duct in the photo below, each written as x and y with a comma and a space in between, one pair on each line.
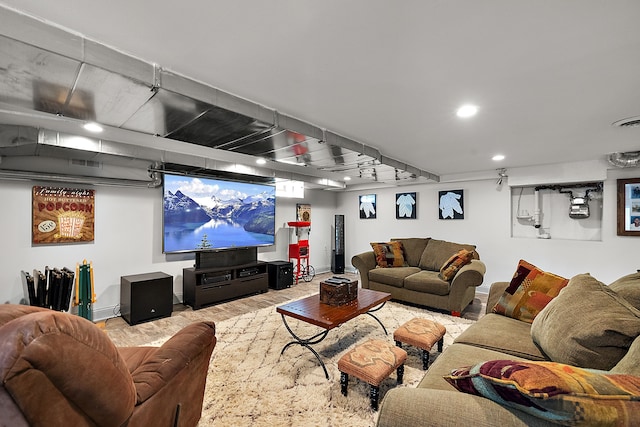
625, 160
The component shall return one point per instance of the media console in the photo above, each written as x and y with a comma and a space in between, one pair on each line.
209, 285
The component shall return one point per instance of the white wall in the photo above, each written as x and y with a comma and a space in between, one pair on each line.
487, 225
128, 235
128, 240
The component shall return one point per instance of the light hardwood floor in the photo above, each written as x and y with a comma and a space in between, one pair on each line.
226, 310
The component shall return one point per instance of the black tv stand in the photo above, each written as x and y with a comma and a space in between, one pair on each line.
212, 282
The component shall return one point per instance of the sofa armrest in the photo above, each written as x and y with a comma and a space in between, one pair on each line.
495, 292
363, 263
153, 368
469, 275
409, 407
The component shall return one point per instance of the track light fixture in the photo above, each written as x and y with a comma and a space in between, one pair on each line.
502, 174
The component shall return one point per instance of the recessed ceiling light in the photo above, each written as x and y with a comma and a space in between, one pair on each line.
467, 110
497, 157
93, 127
347, 178
261, 161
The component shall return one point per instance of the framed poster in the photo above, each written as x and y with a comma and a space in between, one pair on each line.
406, 206
629, 207
62, 215
303, 212
451, 204
367, 206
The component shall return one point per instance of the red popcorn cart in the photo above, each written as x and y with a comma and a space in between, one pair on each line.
299, 252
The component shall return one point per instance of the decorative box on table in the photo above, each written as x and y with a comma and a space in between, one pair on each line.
338, 291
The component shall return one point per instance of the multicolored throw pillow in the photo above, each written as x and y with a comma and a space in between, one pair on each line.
389, 254
529, 292
559, 393
455, 263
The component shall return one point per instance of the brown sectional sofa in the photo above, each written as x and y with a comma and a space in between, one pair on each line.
418, 282
434, 402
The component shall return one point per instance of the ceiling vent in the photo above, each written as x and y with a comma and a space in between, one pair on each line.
625, 160
628, 122
85, 163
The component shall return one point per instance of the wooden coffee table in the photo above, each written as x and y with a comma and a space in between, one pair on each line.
327, 317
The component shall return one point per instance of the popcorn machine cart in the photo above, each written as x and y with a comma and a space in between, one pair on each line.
299, 252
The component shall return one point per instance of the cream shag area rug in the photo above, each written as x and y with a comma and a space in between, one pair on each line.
251, 384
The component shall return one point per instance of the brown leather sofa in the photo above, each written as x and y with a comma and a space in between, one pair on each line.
57, 369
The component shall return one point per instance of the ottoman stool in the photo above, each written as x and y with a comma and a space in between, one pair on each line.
372, 362
421, 333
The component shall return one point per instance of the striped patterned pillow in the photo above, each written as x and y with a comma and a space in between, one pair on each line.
556, 392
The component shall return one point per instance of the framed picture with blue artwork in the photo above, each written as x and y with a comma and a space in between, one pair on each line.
367, 206
451, 204
406, 206
629, 207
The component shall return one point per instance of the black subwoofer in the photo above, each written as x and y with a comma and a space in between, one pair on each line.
280, 274
145, 297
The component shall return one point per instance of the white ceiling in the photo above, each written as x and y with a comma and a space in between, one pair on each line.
549, 77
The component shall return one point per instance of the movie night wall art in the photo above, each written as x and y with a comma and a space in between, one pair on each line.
62, 215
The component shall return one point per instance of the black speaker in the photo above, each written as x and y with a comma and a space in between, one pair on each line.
337, 263
337, 254
280, 274
339, 234
145, 297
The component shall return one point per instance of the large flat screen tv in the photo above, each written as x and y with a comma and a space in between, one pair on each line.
206, 214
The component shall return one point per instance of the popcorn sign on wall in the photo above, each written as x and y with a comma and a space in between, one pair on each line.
63, 215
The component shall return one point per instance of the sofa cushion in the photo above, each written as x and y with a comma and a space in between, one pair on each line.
389, 254
438, 252
455, 263
586, 325
392, 276
629, 363
555, 392
514, 337
628, 287
454, 356
413, 248
427, 282
530, 291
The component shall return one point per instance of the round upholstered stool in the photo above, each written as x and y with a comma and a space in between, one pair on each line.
421, 333
372, 362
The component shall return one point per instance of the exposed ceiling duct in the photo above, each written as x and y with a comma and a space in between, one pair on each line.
628, 159
141, 160
50, 78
